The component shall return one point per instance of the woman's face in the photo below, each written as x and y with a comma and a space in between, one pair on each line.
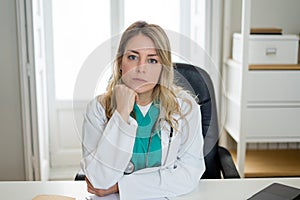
141, 66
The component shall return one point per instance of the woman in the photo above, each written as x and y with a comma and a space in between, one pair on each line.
142, 138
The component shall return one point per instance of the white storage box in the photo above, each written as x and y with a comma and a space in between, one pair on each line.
267, 49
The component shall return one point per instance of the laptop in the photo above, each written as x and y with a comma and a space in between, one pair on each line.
277, 191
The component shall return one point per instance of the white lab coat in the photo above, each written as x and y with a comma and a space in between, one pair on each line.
107, 150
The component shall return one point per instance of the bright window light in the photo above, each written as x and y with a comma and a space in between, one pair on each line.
79, 26
164, 13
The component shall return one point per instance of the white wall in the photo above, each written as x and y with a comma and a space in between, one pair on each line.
284, 14
11, 142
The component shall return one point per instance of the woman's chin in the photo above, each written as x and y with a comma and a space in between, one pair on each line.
144, 89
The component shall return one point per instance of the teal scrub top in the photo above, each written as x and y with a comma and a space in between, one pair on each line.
147, 145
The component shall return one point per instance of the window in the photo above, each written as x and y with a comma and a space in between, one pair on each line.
79, 26
164, 13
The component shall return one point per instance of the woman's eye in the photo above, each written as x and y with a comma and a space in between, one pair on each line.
132, 57
152, 61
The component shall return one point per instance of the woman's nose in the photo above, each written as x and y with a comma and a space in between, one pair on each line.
141, 65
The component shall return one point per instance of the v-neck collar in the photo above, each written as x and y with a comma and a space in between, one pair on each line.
144, 109
147, 121
140, 118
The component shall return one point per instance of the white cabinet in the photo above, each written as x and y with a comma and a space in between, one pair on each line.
262, 101
272, 104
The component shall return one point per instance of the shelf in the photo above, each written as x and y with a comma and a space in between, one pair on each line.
274, 67
232, 63
271, 163
265, 93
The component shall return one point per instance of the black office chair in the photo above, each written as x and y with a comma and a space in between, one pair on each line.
218, 160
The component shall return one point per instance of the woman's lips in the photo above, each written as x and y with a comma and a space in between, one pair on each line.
139, 80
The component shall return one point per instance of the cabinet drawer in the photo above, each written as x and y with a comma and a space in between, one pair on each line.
273, 86
275, 122
267, 49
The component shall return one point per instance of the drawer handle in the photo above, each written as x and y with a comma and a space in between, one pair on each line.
271, 51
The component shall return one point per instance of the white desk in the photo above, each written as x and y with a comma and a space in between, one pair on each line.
233, 189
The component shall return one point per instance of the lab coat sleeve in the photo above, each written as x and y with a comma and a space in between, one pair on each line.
107, 146
180, 178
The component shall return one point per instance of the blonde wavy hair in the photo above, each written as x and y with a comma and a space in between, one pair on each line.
165, 91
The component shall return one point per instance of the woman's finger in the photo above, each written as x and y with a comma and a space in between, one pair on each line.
90, 190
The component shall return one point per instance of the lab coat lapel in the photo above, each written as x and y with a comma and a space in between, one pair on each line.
169, 152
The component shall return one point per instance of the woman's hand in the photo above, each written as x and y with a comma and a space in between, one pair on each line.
125, 98
101, 192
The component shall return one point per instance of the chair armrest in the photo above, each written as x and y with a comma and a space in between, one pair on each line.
227, 165
80, 176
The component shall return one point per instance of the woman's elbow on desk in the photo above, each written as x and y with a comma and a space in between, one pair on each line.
100, 178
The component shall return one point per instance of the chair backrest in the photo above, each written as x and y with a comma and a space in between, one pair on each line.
199, 83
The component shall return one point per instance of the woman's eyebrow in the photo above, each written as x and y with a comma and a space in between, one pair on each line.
136, 52
133, 51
